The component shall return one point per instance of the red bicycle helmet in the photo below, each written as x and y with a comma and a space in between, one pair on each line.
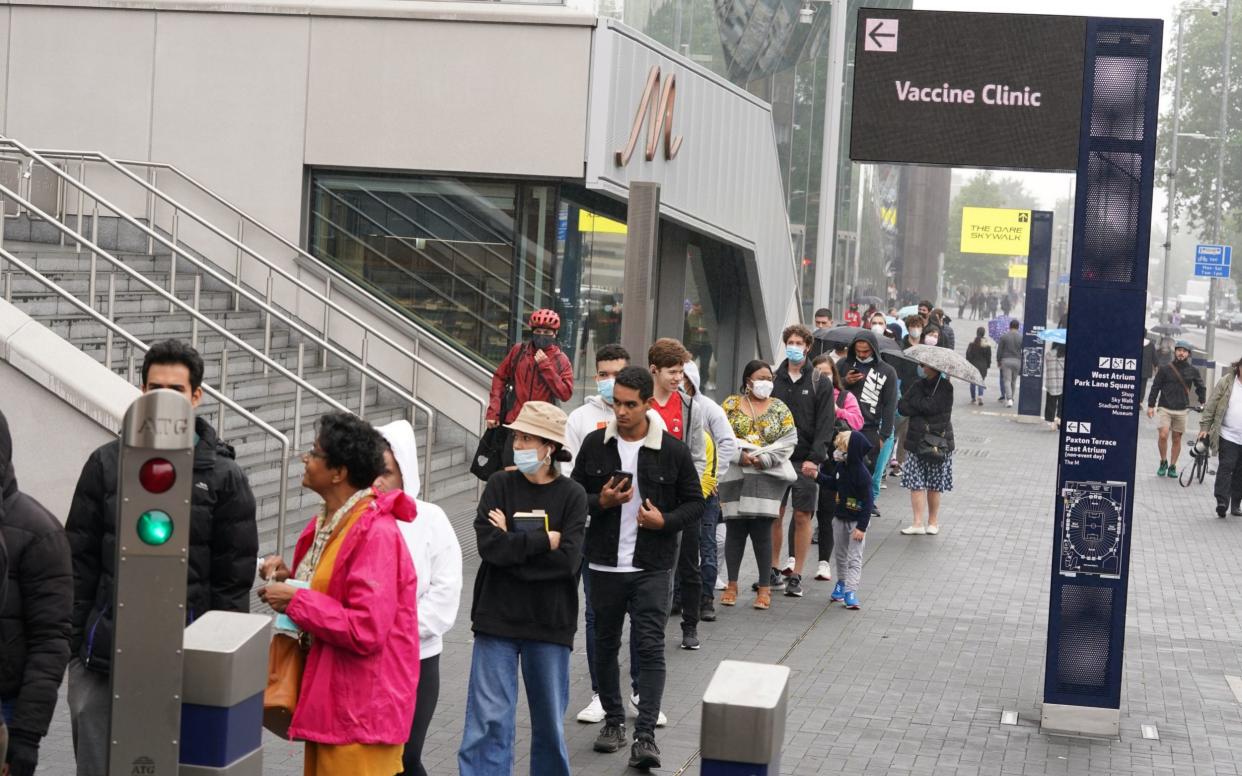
545, 319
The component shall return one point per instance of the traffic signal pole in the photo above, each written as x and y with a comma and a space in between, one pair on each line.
152, 541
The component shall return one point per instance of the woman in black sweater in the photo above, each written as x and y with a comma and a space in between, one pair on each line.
928, 470
529, 527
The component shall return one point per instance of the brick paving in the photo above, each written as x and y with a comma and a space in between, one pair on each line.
951, 633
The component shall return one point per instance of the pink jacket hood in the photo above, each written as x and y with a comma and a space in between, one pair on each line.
362, 671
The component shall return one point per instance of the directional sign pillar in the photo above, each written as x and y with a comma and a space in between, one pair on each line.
152, 540
743, 726
1099, 435
1035, 314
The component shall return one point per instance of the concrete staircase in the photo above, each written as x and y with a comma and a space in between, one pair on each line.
262, 391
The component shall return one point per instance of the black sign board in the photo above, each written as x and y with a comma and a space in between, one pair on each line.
968, 89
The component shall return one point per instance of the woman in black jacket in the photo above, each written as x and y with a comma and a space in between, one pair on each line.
928, 471
979, 354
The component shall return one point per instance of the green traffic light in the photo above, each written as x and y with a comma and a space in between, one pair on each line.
155, 527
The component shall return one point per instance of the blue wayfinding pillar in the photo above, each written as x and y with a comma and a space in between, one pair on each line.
1099, 430
1035, 315
743, 726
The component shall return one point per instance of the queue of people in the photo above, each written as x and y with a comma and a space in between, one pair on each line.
642, 496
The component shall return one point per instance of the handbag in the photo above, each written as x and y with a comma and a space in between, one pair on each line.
932, 447
286, 660
491, 449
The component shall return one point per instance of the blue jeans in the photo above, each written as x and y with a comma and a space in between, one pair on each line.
976, 391
589, 626
491, 705
707, 547
881, 464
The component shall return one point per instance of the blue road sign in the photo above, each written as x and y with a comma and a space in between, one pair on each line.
1213, 261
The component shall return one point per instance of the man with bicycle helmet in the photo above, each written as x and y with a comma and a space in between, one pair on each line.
1221, 425
1170, 400
536, 369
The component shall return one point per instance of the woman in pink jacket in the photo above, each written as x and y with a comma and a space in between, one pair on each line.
357, 604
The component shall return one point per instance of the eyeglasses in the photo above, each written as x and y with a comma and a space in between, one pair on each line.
313, 453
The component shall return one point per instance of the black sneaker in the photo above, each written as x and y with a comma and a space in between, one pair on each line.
875, 511
793, 586
707, 612
610, 739
1220, 510
689, 638
644, 755
776, 581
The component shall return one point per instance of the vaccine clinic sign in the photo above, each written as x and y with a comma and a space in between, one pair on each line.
998, 231
968, 89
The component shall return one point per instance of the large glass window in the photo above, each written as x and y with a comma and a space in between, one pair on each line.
592, 278
447, 251
701, 333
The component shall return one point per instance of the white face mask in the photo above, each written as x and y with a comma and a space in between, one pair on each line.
838, 455
835, 356
762, 389
931, 339
879, 329
915, 333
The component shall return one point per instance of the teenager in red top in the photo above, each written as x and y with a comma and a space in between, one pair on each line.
667, 358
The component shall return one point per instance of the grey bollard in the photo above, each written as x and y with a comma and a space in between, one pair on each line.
744, 719
222, 694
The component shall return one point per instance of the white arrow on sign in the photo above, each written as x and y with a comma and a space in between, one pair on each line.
881, 35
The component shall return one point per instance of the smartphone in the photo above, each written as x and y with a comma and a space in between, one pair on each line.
620, 477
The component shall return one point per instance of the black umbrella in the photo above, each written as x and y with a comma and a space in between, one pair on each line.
1166, 329
843, 336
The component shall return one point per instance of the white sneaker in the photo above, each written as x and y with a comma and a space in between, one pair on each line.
788, 568
824, 571
721, 584
1008, 402
661, 720
914, 530
593, 713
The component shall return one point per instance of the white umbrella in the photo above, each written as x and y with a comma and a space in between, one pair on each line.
946, 361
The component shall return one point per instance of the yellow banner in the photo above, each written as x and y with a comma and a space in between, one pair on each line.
1017, 270
591, 222
997, 231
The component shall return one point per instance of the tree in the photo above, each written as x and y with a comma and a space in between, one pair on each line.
976, 269
1199, 110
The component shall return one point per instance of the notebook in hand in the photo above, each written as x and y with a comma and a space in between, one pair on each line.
531, 521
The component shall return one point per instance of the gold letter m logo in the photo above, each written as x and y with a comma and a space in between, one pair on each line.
662, 120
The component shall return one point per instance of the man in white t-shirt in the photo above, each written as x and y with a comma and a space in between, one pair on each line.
642, 491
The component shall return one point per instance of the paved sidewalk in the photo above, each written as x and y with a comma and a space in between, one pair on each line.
951, 633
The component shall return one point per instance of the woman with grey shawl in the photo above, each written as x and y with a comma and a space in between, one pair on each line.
751, 492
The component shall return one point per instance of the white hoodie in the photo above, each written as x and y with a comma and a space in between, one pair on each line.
594, 414
433, 545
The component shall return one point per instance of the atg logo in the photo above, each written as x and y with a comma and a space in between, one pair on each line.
143, 766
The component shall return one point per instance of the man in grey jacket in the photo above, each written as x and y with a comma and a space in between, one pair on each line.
1009, 359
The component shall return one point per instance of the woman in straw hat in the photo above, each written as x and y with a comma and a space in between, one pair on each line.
529, 528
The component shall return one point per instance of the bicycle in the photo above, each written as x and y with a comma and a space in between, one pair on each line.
1200, 454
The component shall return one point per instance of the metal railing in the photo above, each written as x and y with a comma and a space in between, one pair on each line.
115, 329
265, 305
300, 384
333, 276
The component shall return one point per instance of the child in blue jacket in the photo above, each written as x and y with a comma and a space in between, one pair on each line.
851, 479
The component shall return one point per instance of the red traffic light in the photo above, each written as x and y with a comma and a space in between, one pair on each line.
157, 475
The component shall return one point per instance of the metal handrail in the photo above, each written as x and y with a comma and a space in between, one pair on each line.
336, 275
238, 289
195, 315
224, 401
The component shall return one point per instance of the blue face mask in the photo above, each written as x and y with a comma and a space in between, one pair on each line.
795, 355
527, 461
605, 388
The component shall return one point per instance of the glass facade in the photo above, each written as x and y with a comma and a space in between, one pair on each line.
467, 258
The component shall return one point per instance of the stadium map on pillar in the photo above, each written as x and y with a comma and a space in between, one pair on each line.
1114, 385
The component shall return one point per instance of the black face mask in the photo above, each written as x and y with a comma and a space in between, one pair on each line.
542, 341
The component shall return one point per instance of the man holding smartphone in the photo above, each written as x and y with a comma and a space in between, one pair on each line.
874, 384
642, 491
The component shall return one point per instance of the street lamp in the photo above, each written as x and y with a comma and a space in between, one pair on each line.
1210, 338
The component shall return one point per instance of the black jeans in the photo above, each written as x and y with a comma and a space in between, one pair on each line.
424, 708
1052, 407
1228, 486
759, 531
689, 582
823, 516
644, 595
